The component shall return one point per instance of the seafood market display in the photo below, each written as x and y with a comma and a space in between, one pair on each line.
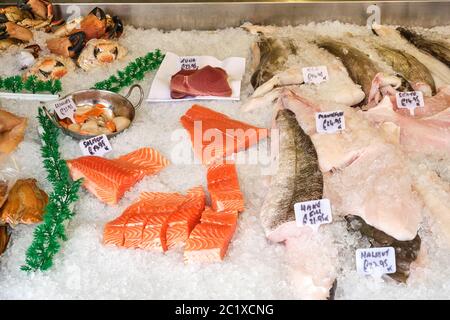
309, 143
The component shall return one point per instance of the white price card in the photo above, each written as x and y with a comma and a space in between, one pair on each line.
375, 261
410, 100
65, 108
188, 63
315, 75
96, 146
313, 213
330, 122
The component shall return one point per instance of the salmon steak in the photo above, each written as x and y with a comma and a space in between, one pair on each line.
209, 240
109, 179
223, 187
215, 136
157, 221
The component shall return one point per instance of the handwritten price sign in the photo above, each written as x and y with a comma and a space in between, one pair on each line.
315, 75
330, 122
375, 261
313, 213
410, 100
65, 108
96, 146
188, 63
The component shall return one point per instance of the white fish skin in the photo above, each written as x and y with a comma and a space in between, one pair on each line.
359, 165
436, 195
439, 71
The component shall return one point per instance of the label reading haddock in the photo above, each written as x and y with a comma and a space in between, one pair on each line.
313, 213
315, 75
330, 122
65, 108
96, 146
375, 261
410, 100
188, 63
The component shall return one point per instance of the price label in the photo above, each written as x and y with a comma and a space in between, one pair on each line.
96, 146
330, 122
410, 100
313, 213
315, 75
188, 63
65, 108
375, 261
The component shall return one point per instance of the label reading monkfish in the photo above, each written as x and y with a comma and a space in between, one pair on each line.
375, 261
315, 75
188, 63
410, 100
65, 108
96, 146
330, 122
313, 213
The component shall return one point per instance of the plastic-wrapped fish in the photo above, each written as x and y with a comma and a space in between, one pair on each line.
438, 49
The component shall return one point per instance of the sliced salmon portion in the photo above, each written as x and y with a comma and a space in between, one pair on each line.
223, 186
227, 218
215, 136
109, 179
157, 221
208, 242
181, 223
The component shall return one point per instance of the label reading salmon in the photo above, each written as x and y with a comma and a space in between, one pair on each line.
315, 75
96, 146
330, 122
313, 213
375, 261
65, 108
188, 63
410, 100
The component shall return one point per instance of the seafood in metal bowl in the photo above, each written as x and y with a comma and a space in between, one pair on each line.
51, 67
100, 52
25, 203
69, 46
98, 112
96, 25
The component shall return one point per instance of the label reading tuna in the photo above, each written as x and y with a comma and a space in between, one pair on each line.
313, 213
410, 100
315, 75
375, 261
330, 122
188, 63
65, 108
96, 146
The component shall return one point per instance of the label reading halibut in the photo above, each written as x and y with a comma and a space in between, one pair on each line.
375, 261
96, 146
313, 213
410, 100
330, 122
315, 75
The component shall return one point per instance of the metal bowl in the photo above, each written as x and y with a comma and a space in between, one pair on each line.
118, 104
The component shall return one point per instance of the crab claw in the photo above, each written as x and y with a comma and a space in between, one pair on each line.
14, 31
115, 29
70, 46
94, 24
39, 8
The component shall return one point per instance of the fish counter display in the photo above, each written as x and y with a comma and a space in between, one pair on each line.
298, 162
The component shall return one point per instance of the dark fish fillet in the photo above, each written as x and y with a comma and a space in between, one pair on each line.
407, 66
298, 177
405, 251
438, 49
358, 64
273, 55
